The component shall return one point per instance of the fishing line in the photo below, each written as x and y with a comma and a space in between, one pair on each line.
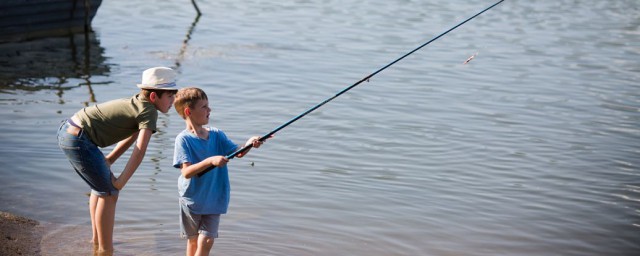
366, 78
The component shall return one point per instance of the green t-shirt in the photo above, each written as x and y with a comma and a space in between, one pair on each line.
112, 121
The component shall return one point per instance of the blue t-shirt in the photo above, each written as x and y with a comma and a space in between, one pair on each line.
209, 193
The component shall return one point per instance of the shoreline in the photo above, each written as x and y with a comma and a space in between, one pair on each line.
19, 235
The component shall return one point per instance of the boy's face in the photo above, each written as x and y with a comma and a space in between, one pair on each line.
163, 103
200, 112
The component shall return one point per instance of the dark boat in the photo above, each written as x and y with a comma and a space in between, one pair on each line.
26, 19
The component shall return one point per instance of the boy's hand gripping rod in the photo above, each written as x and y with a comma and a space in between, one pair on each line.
274, 131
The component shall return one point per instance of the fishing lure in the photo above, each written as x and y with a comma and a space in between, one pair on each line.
470, 58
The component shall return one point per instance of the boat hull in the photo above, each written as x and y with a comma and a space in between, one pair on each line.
27, 19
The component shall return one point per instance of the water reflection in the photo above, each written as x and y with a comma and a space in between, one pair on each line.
185, 42
49, 63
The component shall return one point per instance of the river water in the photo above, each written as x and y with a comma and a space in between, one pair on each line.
531, 148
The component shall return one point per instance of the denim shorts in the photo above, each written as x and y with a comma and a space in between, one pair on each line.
87, 160
193, 224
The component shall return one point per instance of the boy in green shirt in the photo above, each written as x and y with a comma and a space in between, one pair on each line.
123, 121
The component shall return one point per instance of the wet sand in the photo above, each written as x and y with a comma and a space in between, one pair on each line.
23, 236
19, 235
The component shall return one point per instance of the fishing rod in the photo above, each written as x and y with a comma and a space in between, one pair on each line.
366, 78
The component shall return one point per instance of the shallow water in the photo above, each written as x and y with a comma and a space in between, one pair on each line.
529, 149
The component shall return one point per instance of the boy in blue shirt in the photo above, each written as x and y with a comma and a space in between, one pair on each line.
203, 195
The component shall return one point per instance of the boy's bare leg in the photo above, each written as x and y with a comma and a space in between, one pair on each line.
105, 219
93, 202
205, 244
192, 245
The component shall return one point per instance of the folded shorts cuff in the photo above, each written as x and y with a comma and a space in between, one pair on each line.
110, 193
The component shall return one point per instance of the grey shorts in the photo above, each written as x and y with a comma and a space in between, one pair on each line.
191, 225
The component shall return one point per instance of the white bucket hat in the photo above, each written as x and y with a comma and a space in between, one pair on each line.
158, 78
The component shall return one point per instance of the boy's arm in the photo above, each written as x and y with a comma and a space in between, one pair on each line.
142, 141
120, 148
188, 170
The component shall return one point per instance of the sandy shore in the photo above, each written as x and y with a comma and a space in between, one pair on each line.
19, 235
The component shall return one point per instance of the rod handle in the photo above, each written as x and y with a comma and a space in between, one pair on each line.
237, 152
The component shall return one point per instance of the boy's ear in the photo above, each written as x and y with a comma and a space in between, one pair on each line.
187, 112
153, 96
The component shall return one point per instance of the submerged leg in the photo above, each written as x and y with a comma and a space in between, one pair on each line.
105, 219
192, 245
93, 202
205, 244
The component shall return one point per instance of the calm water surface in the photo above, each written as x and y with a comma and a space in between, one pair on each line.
532, 148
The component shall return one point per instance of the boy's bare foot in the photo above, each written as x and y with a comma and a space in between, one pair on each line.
98, 252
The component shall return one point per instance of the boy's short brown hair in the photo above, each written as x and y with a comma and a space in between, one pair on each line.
159, 92
187, 98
